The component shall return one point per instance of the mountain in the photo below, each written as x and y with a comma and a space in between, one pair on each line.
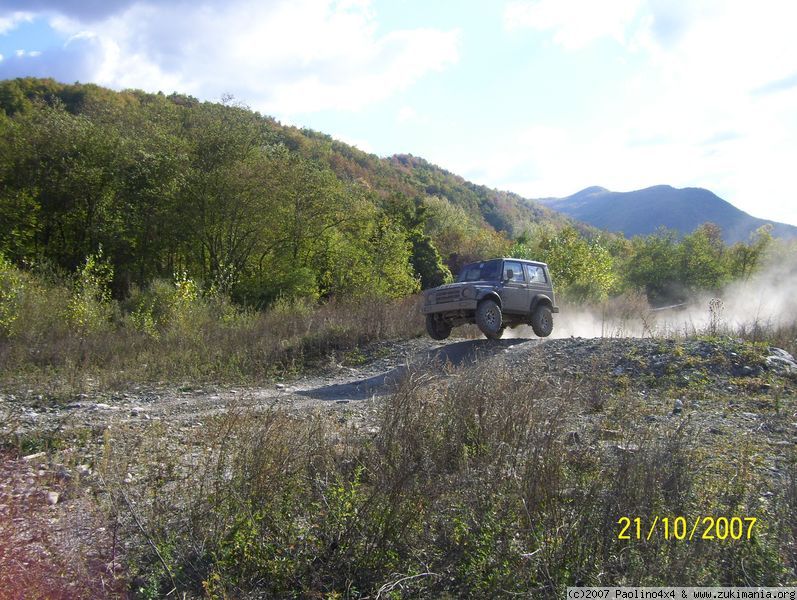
641, 212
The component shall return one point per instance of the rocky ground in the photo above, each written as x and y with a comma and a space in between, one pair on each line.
728, 389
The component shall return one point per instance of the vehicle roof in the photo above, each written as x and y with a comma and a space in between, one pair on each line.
525, 260
528, 260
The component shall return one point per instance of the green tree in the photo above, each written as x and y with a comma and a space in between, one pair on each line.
744, 259
581, 269
653, 265
412, 216
702, 259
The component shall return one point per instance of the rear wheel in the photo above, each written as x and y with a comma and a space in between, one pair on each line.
542, 321
437, 328
488, 319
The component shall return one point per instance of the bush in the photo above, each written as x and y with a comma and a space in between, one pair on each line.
65, 335
90, 309
12, 289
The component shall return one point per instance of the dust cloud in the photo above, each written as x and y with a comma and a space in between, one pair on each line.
766, 301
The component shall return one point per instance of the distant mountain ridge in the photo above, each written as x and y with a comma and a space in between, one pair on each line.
642, 212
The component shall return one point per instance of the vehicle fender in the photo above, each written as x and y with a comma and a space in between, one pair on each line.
491, 294
541, 299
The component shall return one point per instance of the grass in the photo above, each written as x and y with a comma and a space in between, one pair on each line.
483, 481
477, 484
160, 336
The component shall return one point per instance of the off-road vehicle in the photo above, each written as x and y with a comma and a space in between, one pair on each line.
493, 294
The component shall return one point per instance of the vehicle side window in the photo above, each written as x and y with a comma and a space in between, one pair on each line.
517, 271
535, 274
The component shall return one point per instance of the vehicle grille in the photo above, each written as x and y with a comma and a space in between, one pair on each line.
447, 296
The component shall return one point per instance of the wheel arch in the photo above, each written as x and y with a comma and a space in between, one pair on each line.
540, 300
491, 296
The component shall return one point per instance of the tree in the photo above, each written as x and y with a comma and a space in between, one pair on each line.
411, 216
581, 269
745, 258
653, 266
702, 259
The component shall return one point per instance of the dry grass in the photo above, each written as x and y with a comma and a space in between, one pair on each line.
478, 484
204, 340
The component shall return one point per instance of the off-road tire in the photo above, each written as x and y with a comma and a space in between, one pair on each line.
437, 328
542, 321
488, 319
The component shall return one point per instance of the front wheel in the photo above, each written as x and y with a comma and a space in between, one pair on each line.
437, 328
542, 321
488, 319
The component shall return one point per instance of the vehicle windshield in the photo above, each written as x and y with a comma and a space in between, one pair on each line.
489, 270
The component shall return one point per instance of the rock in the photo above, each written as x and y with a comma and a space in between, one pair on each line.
102, 406
280, 386
128, 478
678, 407
136, 411
611, 434
52, 498
781, 353
33, 456
781, 364
626, 448
83, 470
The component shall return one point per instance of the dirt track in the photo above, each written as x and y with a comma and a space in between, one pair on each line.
379, 371
729, 391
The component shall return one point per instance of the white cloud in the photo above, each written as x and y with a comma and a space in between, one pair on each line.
11, 21
406, 114
574, 23
711, 103
283, 57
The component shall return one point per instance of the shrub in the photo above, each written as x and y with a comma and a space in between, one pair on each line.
12, 289
90, 309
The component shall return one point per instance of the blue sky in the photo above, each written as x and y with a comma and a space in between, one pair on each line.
540, 97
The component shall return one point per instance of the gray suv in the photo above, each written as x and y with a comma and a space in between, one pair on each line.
494, 294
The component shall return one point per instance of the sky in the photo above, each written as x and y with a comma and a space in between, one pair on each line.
539, 97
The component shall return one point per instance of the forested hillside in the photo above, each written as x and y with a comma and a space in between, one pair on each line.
146, 187
168, 184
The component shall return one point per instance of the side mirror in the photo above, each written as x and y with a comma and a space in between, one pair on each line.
510, 274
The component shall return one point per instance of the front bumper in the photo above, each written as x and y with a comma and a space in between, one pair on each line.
464, 304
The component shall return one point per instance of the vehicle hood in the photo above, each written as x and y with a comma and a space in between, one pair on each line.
461, 284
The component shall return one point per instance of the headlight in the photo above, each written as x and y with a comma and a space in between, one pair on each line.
469, 293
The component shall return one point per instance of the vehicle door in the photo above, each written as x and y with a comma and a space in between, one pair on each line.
537, 279
514, 292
